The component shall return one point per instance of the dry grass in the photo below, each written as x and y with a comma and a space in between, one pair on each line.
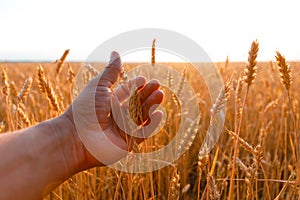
263, 121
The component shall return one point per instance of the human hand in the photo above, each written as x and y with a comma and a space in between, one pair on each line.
98, 111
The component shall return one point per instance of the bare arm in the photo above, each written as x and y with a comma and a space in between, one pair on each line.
34, 161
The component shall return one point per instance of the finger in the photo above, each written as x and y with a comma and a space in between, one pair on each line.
123, 91
125, 124
112, 72
102, 106
143, 133
149, 88
146, 131
152, 102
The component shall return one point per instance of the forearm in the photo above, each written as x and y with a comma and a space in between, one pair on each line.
36, 160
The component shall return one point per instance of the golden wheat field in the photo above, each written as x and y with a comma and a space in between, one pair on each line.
256, 156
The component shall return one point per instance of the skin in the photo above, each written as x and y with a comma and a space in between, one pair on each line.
36, 160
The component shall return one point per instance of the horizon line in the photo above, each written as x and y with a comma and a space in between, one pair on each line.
84, 61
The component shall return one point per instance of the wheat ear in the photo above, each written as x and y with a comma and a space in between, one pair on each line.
6, 92
212, 189
251, 69
202, 163
94, 72
5, 85
153, 52
135, 108
41, 79
51, 96
221, 99
181, 83
170, 79
23, 116
61, 61
284, 70
12, 88
71, 75
2, 127
25, 89
174, 189
46, 89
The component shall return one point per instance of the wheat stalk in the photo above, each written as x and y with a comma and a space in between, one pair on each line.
221, 99
12, 88
60, 97
286, 80
71, 75
226, 63
94, 72
25, 89
41, 79
46, 89
23, 116
251, 178
212, 189
249, 76
61, 61
2, 127
176, 100
187, 138
238, 103
242, 142
51, 96
174, 189
135, 108
251, 69
181, 83
202, 162
272, 66
5, 85
284, 71
6, 92
123, 75
170, 79
153, 52
70, 79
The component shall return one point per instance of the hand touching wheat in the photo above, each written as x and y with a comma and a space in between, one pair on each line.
101, 130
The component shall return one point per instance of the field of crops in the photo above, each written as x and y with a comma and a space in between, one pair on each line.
256, 156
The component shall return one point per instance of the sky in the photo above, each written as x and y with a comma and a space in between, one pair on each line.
35, 30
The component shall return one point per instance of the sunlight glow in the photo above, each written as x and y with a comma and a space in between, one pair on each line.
42, 30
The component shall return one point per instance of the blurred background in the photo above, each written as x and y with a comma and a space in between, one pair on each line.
35, 30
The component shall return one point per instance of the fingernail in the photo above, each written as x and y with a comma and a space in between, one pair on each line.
113, 56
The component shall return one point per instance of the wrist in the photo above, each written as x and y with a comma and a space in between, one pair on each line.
71, 150
82, 159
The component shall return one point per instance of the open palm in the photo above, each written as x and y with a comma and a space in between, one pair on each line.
99, 109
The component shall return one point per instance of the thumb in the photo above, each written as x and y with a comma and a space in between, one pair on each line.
112, 72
